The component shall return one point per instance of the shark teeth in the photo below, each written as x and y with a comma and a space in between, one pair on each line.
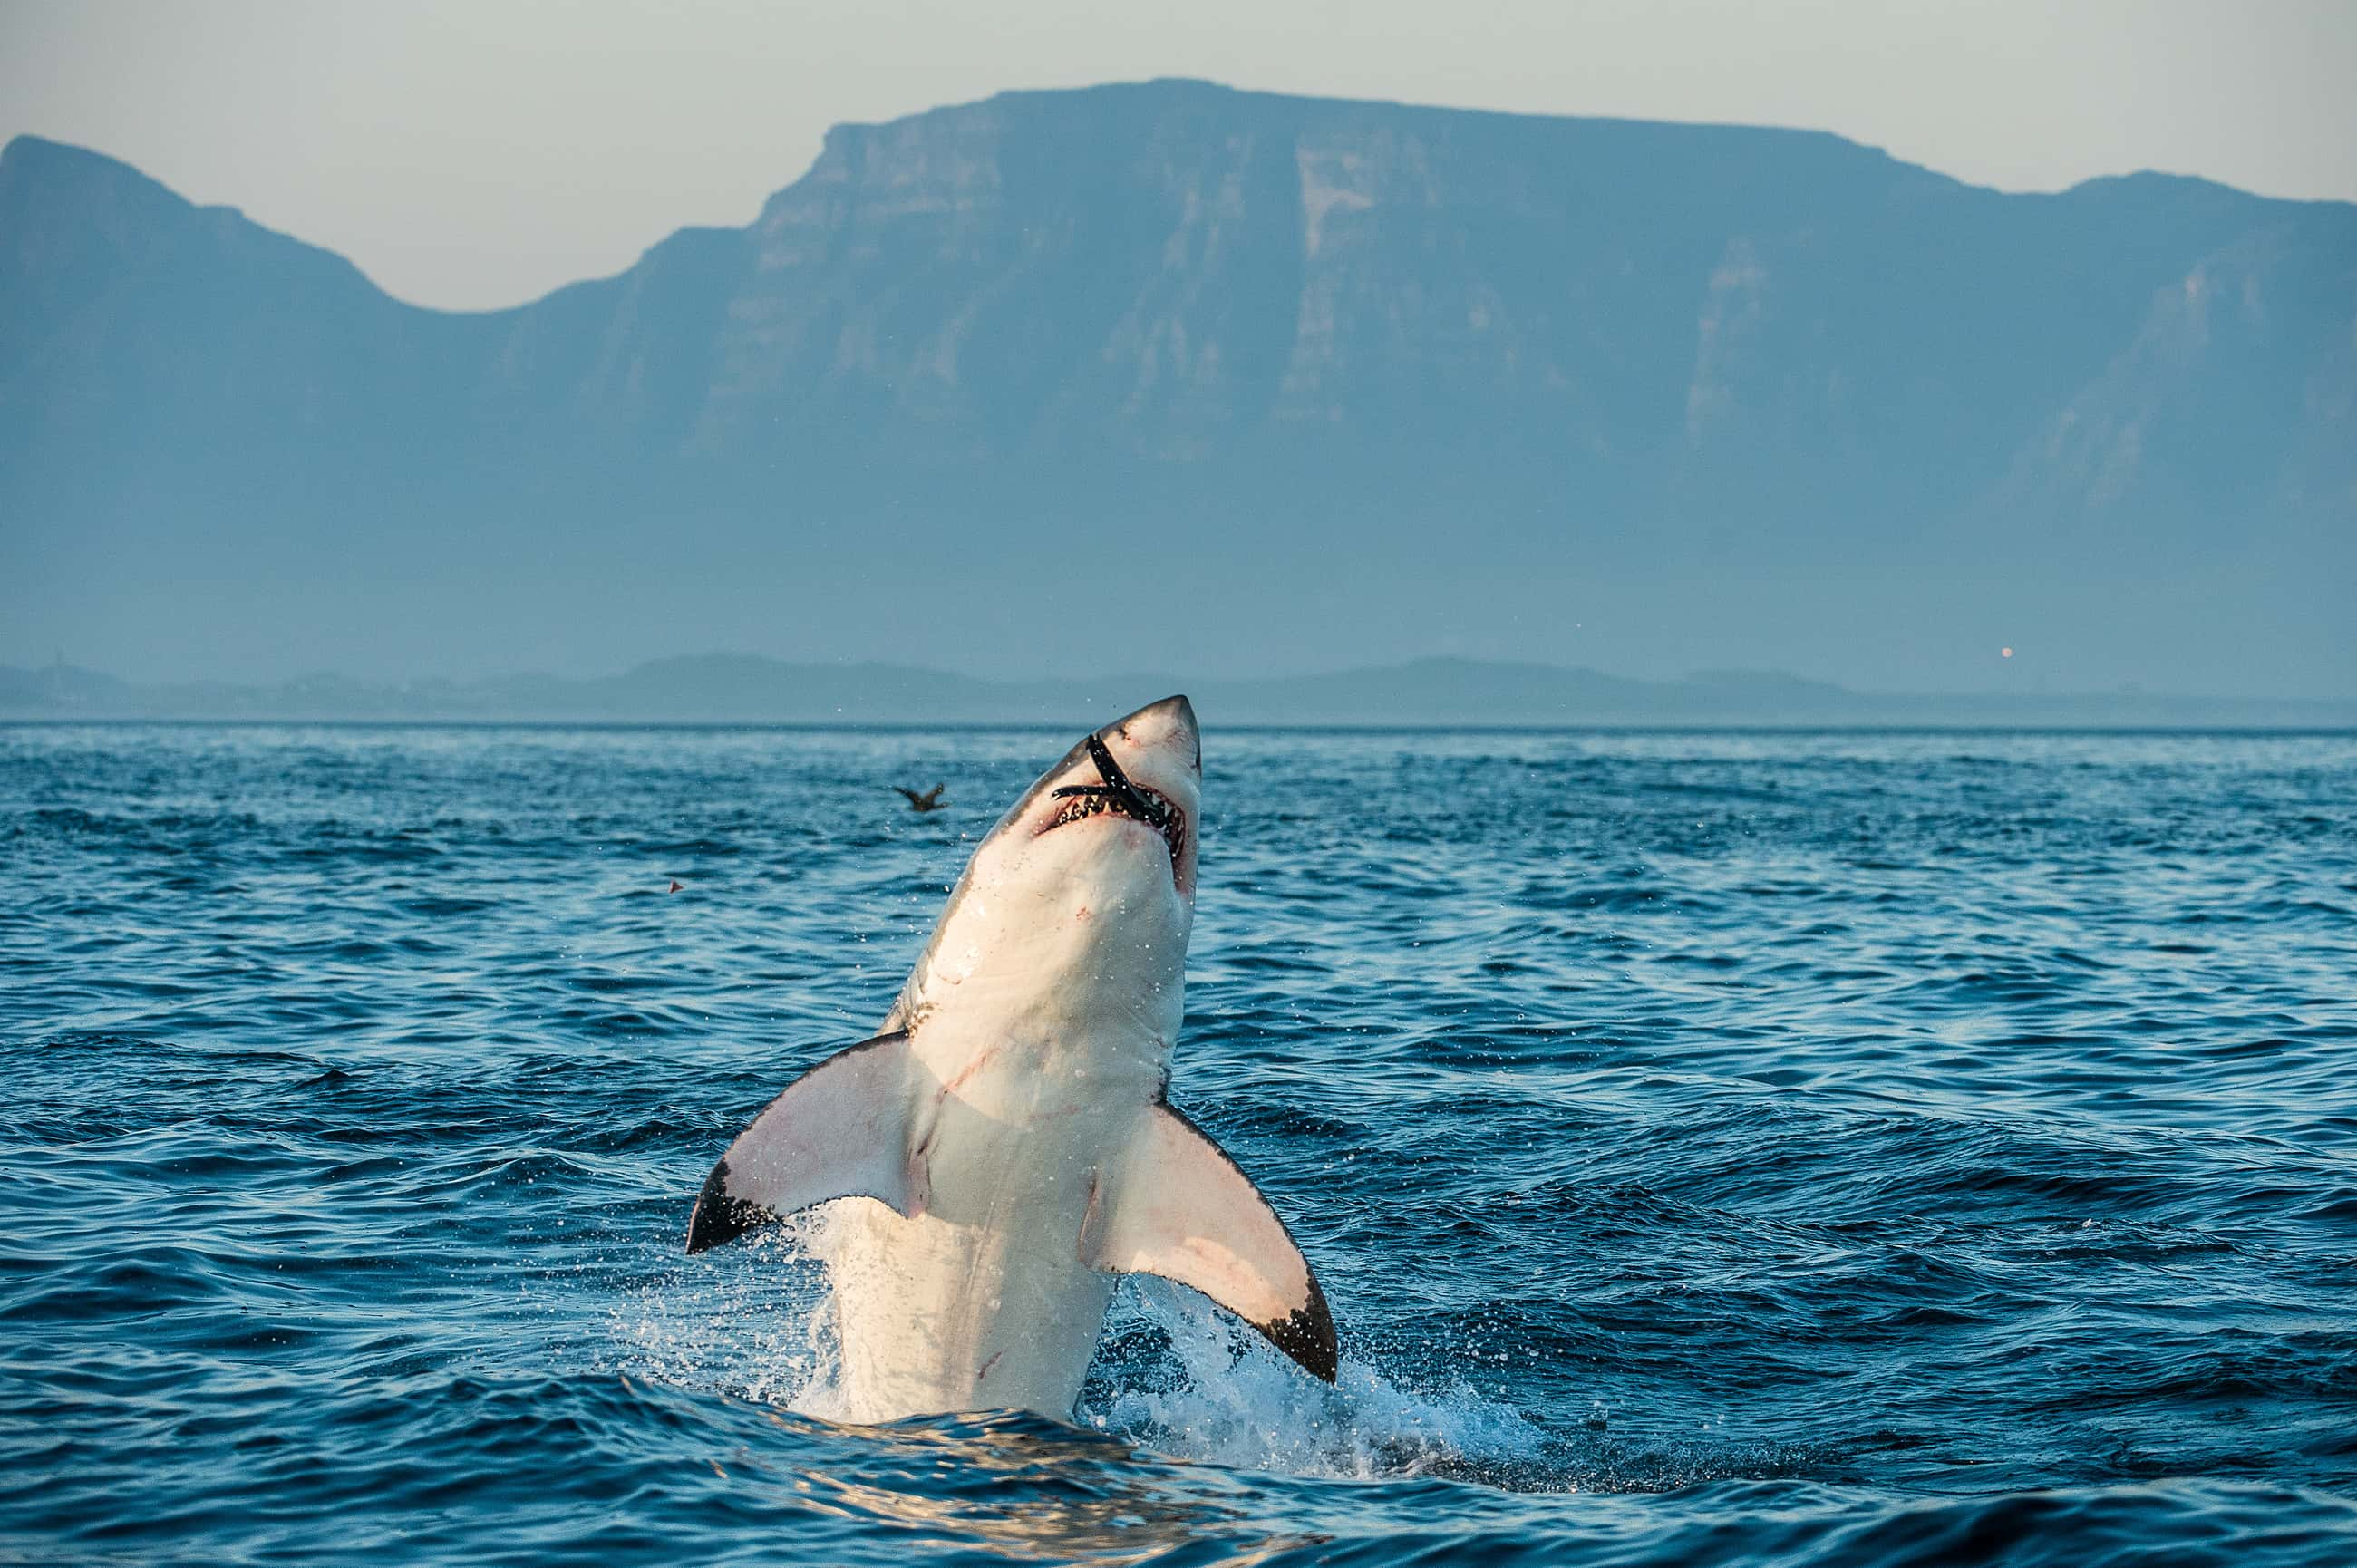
1173, 825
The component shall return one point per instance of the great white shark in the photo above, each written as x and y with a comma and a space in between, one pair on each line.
1010, 1121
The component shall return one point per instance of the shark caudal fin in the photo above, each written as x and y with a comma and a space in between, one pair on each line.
1180, 1208
841, 1130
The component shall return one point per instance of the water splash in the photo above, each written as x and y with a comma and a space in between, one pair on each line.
1204, 1388
757, 1324
760, 1326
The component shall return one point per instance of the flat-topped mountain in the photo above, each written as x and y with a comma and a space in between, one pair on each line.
1167, 374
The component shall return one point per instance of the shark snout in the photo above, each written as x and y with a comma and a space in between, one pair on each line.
1165, 729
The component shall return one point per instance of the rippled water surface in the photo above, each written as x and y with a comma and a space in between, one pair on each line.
1717, 1148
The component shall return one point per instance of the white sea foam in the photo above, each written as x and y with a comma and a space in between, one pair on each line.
763, 1329
1241, 1404
759, 1324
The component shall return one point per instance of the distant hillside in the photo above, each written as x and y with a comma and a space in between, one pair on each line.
1176, 375
736, 689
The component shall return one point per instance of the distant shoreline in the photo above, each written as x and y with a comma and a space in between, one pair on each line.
1423, 695
1051, 726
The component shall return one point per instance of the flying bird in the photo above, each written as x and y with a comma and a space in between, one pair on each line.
931, 800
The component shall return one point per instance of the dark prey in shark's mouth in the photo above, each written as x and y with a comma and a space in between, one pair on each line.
1118, 795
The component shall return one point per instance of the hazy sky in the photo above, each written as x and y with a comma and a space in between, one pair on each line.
478, 153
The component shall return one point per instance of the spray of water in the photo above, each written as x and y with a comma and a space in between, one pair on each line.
757, 1324
1215, 1392
761, 1327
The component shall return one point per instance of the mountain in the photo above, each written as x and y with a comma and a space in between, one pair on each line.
1171, 375
1453, 693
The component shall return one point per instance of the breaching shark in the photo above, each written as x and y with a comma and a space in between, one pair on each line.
1009, 1119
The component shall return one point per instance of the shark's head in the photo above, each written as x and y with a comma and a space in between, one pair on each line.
1134, 783
1089, 878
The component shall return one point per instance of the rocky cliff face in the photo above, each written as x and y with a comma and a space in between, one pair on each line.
1726, 396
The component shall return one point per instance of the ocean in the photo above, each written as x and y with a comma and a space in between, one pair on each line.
1791, 1148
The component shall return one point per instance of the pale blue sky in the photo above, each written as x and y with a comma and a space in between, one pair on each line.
474, 155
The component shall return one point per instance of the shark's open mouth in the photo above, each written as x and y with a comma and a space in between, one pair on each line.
1121, 796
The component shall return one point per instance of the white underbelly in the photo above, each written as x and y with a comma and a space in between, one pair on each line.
981, 1301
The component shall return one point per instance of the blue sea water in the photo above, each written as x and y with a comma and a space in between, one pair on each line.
1717, 1148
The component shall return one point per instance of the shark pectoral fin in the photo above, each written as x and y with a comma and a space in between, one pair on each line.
841, 1130
1180, 1208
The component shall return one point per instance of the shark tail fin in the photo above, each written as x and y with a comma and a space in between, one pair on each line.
1180, 1208
841, 1130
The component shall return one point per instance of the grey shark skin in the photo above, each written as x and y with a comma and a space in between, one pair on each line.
1008, 1121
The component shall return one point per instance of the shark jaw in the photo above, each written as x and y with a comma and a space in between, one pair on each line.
1141, 772
1118, 796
